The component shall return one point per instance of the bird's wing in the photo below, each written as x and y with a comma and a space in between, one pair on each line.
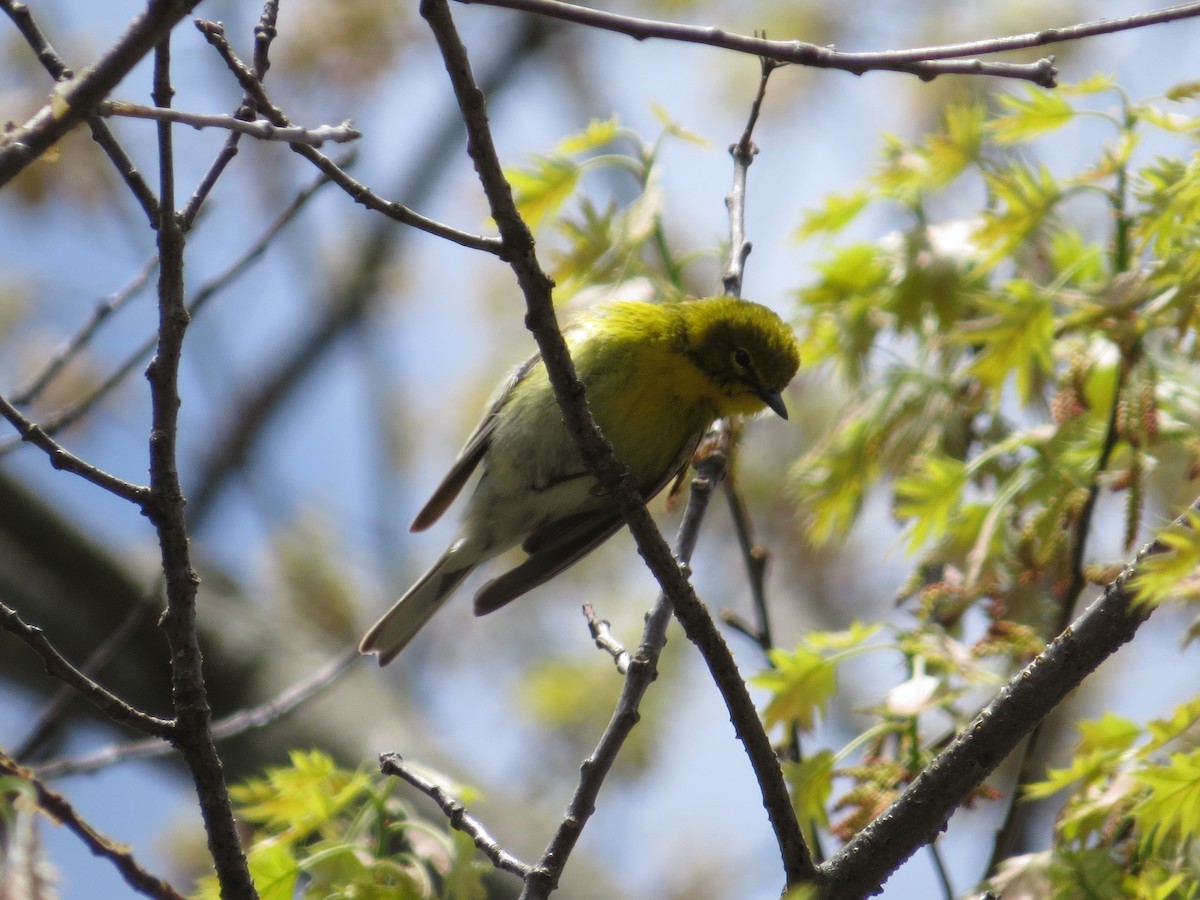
563, 542
472, 451
553, 548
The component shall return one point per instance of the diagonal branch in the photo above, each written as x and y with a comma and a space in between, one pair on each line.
260, 716
75, 98
456, 814
215, 34
920, 813
596, 452
101, 133
108, 703
61, 458
59, 810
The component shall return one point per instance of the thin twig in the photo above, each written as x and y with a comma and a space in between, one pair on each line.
75, 99
640, 672
71, 348
743, 153
456, 814
360, 193
108, 703
101, 133
264, 34
205, 292
255, 717
927, 63
259, 128
61, 811
56, 709
61, 458
601, 633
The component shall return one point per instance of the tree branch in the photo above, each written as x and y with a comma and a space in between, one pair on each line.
926, 64
66, 461
101, 133
75, 98
260, 716
259, 128
215, 34
60, 811
597, 453
193, 735
108, 703
456, 814
920, 813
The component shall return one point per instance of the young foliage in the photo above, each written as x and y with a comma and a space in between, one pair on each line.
322, 831
1002, 373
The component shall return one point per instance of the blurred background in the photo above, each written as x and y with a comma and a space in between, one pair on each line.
327, 386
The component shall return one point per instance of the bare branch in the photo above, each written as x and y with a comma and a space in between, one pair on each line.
204, 293
456, 815
601, 633
920, 813
108, 703
743, 153
264, 34
260, 129
61, 458
598, 456
925, 64
59, 810
101, 133
193, 728
230, 726
215, 34
75, 98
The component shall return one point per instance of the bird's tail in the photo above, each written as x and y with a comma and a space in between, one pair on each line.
401, 623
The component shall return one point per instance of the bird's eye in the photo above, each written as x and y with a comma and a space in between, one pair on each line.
741, 358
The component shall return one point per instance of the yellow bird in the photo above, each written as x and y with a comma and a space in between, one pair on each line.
657, 375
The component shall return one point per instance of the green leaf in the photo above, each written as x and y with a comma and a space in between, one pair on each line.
1171, 809
1025, 196
1109, 732
928, 496
836, 212
1085, 768
1038, 112
541, 189
1185, 90
811, 784
1173, 574
801, 682
597, 134
958, 145
1093, 84
831, 485
1016, 339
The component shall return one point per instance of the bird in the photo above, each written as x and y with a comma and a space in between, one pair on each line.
656, 375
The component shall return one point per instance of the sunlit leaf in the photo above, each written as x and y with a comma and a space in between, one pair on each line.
541, 189
1039, 111
1172, 574
801, 684
928, 496
1171, 809
1015, 340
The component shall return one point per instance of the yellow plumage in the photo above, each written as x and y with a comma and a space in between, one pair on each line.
656, 374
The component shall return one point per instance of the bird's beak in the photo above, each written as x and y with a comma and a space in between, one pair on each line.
774, 400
